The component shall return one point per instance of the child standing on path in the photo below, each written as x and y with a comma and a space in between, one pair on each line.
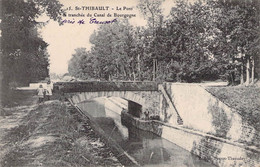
49, 90
41, 92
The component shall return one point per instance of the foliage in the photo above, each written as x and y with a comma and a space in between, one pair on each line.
237, 38
24, 55
241, 98
152, 12
197, 41
110, 42
76, 68
185, 34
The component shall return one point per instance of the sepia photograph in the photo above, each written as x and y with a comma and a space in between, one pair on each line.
150, 83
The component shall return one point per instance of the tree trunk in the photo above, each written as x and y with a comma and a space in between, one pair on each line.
242, 74
117, 70
125, 74
134, 76
139, 66
247, 70
133, 72
253, 71
154, 70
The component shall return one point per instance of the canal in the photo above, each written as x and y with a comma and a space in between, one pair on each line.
145, 147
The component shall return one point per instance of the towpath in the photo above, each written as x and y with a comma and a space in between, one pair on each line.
48, 134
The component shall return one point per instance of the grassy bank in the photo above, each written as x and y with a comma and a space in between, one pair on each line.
245, 99
246, 102
52, 135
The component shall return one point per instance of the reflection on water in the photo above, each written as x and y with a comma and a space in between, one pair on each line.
147, 148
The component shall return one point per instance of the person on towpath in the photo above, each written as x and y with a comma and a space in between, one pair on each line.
49, 90
40, 93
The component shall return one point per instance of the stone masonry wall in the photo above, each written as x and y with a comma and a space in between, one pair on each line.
201, 111
218, 151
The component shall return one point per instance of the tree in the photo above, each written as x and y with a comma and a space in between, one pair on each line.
82, 64
183, 42
152, 12
239, 32
24, 56
141, 50
194, 43
114, 42
113, 55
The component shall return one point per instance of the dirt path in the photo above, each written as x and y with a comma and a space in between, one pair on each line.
50, 134
11, 118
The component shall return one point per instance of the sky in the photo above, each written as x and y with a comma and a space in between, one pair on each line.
64, 39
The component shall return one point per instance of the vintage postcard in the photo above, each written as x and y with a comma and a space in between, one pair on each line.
130, 83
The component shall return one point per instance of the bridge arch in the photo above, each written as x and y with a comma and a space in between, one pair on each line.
127, 95
139, 102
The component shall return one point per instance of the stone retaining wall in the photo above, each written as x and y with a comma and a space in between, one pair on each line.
218, 151
221, 152
202, 111
128, 120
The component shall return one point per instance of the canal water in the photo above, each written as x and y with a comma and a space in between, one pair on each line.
145, 147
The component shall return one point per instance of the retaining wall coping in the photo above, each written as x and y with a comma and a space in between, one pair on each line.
215, 84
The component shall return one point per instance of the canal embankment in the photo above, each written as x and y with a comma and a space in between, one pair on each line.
50, 134
218, 151
117, 150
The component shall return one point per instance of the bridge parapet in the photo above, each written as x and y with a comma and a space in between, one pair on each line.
145, 94
97, 86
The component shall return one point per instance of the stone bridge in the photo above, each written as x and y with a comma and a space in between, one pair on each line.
142, 96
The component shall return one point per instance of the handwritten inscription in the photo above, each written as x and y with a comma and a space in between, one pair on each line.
95, 21
92, 21
81, 21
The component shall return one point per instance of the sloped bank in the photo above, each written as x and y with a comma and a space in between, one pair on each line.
53, 134
123, 157
218, 151
204, 113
